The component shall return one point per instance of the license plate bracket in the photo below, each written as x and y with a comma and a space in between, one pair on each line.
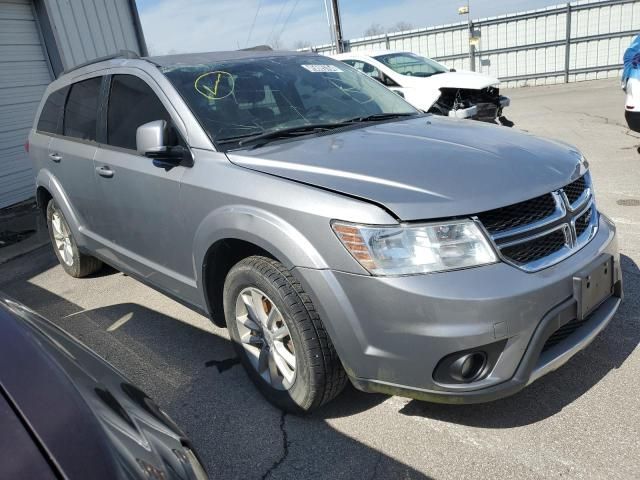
593, 285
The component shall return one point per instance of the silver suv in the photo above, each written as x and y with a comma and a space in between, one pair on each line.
338, 233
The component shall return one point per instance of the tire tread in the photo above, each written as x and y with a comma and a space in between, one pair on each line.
329, 375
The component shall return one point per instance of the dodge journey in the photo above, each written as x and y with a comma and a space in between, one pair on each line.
337, 232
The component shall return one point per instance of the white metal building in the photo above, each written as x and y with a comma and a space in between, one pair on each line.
39, 39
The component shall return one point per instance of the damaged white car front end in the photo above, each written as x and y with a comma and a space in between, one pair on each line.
432, 87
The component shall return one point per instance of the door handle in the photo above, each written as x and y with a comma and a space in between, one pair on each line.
104, 171
56, 157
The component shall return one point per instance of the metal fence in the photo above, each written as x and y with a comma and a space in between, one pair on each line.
577, 41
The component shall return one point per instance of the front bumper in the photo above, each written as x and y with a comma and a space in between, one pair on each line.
633, 120
391, 332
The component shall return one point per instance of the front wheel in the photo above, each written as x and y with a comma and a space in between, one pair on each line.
279, 336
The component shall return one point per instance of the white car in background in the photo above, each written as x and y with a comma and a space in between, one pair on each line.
432, 87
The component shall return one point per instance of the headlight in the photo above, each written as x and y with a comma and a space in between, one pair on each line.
408, 249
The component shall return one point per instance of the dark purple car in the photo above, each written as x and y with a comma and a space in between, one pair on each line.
66, 413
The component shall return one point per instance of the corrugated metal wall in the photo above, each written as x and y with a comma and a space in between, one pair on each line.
529, 47
24, 75
61, 35
87, 29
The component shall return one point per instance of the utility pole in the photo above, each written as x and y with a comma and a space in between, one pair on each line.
337, 27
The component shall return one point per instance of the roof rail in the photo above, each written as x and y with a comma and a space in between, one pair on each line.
121, 54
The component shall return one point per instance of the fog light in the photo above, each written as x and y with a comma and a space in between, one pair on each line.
468, 367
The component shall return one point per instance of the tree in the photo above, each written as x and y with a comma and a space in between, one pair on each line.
401, 27
277, 44
374, 29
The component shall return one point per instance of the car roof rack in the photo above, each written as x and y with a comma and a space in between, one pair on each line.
121, 54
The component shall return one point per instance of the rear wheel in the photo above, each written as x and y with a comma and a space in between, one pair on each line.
280, 337
74, 263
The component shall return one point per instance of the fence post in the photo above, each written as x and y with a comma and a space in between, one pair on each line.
386, 41
472, 58
567, 45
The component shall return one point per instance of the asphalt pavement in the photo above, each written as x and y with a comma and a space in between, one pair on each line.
582, 421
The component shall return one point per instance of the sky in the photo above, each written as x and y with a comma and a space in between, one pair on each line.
178, 26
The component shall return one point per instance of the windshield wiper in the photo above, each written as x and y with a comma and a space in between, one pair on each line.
235, 138
262, 138
379, 116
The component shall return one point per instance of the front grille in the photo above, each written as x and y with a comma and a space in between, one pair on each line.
582, 222
541, 232
518, 214
562, 333
575, 189
532, 250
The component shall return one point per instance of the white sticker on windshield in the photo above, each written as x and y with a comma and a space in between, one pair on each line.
322, 68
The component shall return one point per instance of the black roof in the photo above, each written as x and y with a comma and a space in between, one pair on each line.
214, 57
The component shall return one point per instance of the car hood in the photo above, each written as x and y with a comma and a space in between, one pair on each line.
423, 168
467, 80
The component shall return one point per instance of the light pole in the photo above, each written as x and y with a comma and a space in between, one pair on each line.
465, 10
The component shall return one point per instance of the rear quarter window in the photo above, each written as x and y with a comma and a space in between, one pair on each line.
50, 120
81, 111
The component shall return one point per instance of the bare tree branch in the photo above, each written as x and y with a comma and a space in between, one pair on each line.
374, 29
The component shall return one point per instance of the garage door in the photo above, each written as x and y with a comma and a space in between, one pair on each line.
24, 75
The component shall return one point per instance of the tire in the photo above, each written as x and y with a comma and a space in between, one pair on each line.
76, 264
319, 376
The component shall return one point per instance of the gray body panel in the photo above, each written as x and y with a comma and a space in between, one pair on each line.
159, 225
399, 341
423, 168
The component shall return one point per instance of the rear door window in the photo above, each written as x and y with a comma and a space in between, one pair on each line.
131, 103
81, 111
50, 120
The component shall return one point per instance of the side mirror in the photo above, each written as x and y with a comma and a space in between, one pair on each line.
152, 141
452, 69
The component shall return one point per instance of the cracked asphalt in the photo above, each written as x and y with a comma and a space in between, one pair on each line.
582, 421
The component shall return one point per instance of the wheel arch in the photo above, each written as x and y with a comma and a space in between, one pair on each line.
43, 196
47, 188
232, 233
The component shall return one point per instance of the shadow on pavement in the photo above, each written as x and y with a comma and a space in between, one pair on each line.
193, 376
552, 393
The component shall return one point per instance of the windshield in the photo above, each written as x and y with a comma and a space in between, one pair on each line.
411, 65
240, 98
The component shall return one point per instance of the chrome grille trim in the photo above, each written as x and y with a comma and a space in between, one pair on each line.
529, 238
586, 195
559, 213
563, 218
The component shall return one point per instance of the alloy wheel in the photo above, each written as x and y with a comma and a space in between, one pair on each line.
62, 237
266, 338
